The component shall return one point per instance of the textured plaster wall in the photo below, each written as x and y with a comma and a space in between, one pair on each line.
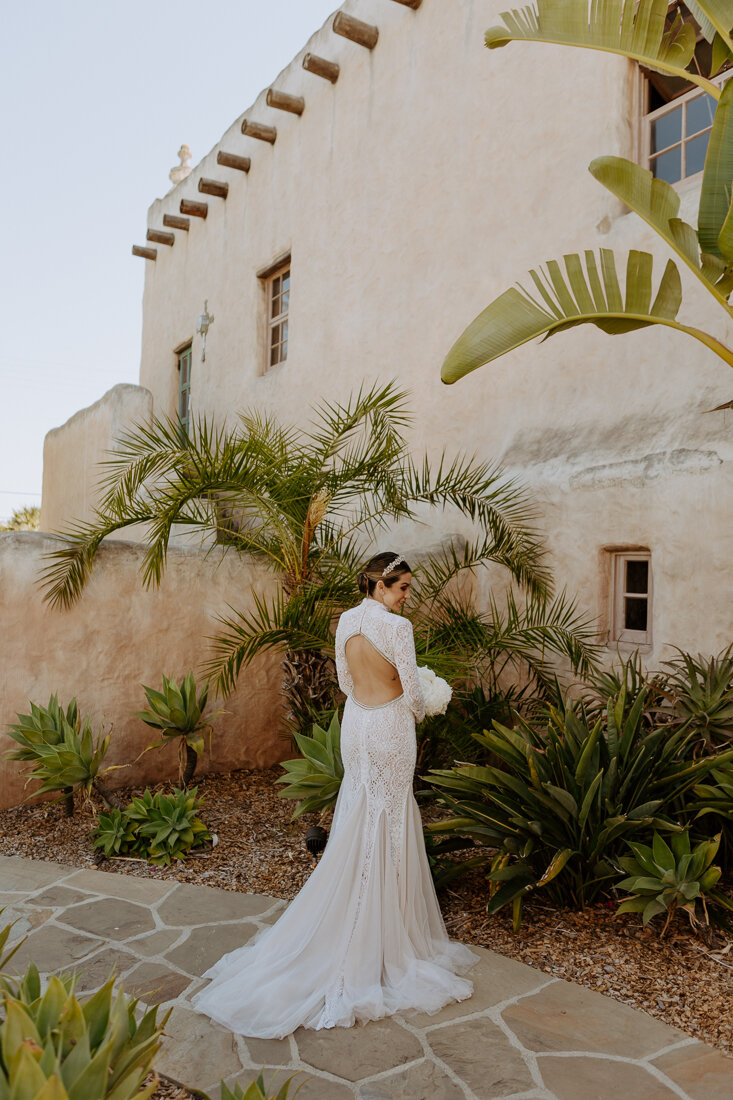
120, 636
421, 185
72, 453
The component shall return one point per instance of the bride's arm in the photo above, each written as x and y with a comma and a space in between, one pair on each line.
406, 663
342, 669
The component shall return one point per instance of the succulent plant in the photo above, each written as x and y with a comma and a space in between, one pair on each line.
666, 877
160, 827
54, 1046
257, 1090
315, 777
178, 712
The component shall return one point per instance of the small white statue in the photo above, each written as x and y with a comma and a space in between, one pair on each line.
179, 172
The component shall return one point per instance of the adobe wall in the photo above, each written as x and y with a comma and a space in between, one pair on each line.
119, 636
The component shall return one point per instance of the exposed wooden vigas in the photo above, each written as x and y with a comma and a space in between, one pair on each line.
197, 209
329, 70
159, 237
233, 160
295, 104
174, 222
364, 34
146, 253
214, 187
414, 4
259, 130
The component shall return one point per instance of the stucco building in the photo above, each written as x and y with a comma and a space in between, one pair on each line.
393, 180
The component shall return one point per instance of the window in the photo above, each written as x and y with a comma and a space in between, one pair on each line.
679, 114
278, 301
631, 610
184, 386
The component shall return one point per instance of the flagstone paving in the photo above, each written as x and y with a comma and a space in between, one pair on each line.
522, 1036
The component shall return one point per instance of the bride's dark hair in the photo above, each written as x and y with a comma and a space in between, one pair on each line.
373, 571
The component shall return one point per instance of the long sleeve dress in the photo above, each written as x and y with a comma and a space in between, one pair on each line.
364, 938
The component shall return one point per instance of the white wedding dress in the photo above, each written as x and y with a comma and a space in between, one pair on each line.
364, 938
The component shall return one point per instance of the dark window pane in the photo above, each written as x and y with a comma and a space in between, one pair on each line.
635, 613
667, 130
700, 111
637, 576
695, 151
668, 166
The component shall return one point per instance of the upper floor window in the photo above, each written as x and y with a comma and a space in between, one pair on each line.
184, 386
679, 114
631, 611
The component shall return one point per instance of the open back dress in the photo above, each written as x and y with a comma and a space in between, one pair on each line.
364, 938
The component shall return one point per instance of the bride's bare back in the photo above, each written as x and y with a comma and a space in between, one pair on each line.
376, 680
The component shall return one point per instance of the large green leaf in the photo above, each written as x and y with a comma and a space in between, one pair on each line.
657, 202
633, 28
713, 15
590, 296
715, 193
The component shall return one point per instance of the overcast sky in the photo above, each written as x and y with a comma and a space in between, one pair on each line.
96, 100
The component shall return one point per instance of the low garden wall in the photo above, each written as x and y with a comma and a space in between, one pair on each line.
119, 636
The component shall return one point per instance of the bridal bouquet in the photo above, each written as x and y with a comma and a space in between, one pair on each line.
436, 692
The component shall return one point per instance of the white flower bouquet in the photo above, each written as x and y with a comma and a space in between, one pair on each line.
436, 692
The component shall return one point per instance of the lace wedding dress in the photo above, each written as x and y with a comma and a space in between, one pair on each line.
364, 938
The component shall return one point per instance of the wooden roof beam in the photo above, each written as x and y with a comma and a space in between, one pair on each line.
214, 187
159, 237
364, 34
414, 4
259, 130
295, 104
319, 66
174, 222
146, 253
197, 209
233, 160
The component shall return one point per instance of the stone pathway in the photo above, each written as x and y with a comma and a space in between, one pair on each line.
523, 1035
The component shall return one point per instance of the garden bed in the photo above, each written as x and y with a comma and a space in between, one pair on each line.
680, 980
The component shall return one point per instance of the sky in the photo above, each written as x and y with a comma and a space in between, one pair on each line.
96, 100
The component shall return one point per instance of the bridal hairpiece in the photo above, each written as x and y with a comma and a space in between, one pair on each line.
392, 565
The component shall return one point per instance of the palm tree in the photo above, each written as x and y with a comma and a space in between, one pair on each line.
588, 290
307, 503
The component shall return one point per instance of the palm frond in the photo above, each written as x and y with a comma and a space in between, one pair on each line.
633, 28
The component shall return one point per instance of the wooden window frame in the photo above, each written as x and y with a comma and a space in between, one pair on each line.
274, 322
184, 388
620, 635
651, 116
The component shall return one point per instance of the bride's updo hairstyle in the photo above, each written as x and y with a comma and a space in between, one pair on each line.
373, 572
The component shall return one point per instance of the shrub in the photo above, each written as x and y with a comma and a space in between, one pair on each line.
564, 799
178, 712
699, 692
257, 1090
63, 752
315, 777
663, 879
157, 827
54, 1046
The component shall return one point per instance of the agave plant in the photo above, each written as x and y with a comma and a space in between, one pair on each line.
565, 798
167, 826
663, 879
712, 800
178, 712
699, 692
308, 505
258, 1090
588, 290
63, 752
116, 834
54, 1046
315, 777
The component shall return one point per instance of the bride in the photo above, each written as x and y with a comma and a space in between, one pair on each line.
364, 938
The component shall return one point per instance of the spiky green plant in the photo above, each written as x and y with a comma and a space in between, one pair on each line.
699, 692
258, 1090
64, 755
315, 777
55, 1046
563, 800
178, 711
158, 827
664, 878
308, 504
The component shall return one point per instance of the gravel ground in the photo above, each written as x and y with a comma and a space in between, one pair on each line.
681, 980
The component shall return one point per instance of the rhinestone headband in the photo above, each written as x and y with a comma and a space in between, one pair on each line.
392, 565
